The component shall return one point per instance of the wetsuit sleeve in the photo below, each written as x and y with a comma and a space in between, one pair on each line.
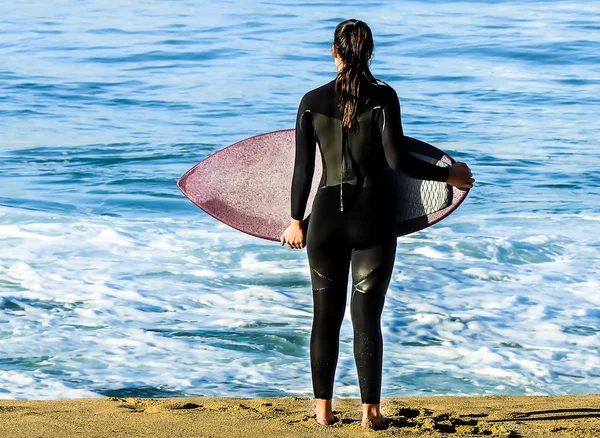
304, 164
398, 157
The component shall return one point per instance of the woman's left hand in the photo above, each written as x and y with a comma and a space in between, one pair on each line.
294, 235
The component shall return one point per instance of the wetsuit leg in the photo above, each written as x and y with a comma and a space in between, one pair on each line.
370, 229
329, 261
371, 272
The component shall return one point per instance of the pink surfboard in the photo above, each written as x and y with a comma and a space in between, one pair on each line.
248, 185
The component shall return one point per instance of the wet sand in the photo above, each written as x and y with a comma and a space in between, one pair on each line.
443, 416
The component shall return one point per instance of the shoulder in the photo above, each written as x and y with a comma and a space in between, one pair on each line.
388, 92
386, 96
317, 94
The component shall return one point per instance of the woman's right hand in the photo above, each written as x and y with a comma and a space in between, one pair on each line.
460, 176
294, 235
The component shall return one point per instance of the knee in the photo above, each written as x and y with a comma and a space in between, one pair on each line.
366, 309
321, 279
373, 284
329, 307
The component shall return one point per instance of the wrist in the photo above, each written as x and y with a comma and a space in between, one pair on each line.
447, 174
296, 221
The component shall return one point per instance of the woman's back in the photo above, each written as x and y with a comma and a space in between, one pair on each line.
363, 157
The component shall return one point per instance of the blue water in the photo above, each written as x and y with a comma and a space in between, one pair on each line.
113, 283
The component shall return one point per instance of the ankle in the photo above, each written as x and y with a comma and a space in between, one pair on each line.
323, 405
371, 410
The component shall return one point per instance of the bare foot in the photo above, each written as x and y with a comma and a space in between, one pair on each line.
327, 421
379, 422
324, 412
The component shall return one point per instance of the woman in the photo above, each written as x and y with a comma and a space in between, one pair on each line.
355, 119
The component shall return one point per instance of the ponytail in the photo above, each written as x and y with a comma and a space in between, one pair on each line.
354, 42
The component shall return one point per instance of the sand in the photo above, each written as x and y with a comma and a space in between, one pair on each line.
443, 416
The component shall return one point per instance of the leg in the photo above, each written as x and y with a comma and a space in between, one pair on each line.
329, 261
329, 269
371, 272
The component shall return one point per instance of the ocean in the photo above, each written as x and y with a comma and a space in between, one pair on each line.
112, 283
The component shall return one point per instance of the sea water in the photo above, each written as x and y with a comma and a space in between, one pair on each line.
112, 283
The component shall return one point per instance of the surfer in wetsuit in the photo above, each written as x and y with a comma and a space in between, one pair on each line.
355, 120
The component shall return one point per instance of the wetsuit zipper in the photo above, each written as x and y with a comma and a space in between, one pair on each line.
344, 139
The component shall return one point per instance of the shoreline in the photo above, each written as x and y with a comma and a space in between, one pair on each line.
423, 416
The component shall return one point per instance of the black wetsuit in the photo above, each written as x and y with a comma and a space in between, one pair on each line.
352, 221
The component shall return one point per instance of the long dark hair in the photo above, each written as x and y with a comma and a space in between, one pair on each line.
354, 42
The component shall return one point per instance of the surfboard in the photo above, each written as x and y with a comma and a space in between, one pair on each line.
247, 186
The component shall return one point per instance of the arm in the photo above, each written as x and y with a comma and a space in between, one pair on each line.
392, 136
304, 165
